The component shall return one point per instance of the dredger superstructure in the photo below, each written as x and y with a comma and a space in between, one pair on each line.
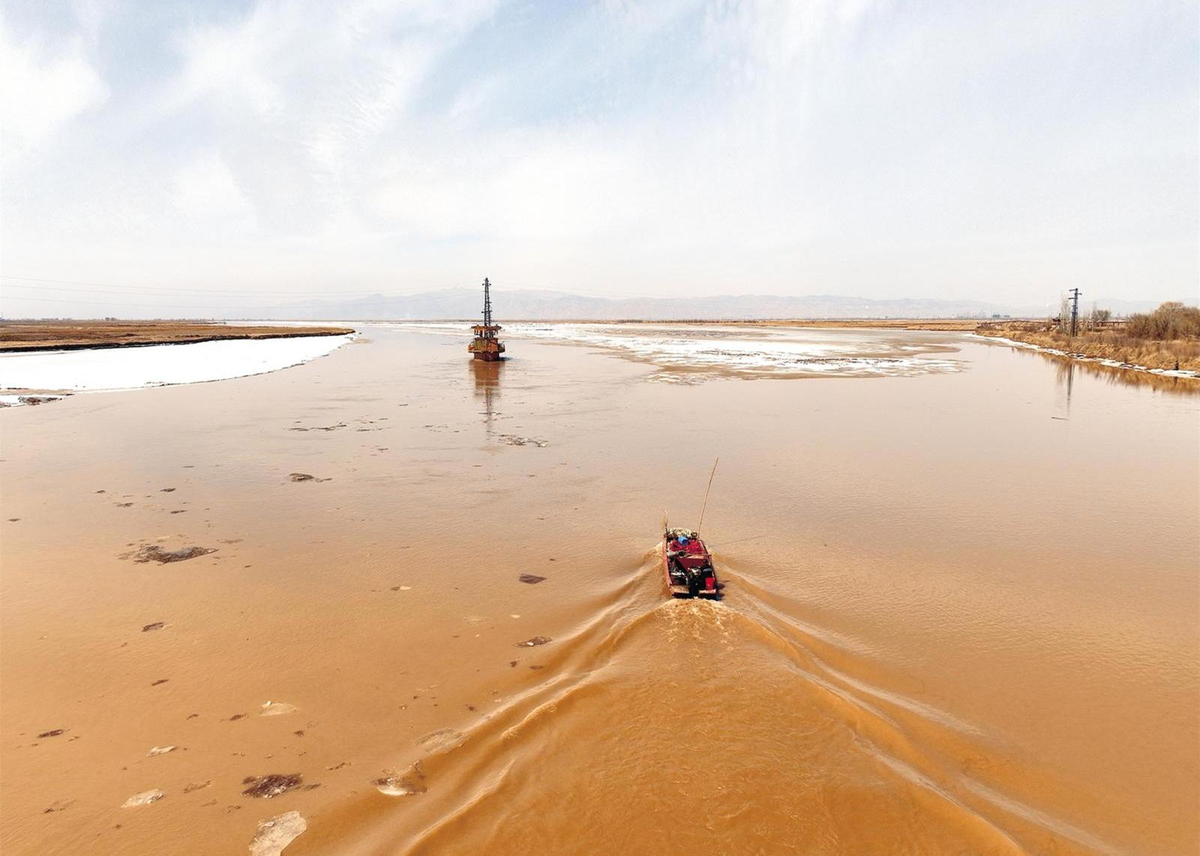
485, 346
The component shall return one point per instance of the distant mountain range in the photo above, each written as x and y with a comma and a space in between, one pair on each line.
531, 305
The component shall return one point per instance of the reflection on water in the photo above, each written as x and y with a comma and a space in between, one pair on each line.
1065, 375
1065, 368
487, 386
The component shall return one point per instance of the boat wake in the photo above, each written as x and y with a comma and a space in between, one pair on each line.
764, 732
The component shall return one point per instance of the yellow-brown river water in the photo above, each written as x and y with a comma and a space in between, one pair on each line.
961, 613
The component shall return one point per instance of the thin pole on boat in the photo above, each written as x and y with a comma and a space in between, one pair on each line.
706, 490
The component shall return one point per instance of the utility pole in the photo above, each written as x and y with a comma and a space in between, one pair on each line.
1074, 311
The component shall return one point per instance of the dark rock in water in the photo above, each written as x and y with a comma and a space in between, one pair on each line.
155, 553
196, 786
160, 681
536, 640
532, 579
166, 490
158, 625
53, 733
265, 787
300, 477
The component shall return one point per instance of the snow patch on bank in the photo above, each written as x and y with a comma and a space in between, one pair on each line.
26, 400
155, 365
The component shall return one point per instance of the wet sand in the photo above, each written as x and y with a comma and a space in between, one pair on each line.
961, 609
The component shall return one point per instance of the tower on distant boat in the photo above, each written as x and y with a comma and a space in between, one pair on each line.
485, 346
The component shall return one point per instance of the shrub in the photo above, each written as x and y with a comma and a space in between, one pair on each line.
1172, 320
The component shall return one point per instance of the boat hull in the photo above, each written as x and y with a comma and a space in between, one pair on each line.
485, 346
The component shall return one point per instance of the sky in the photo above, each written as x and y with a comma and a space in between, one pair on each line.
173, 157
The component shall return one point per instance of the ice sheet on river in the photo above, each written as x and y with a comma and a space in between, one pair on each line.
158, 365
760, 351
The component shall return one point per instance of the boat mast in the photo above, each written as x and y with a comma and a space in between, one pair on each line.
487, 303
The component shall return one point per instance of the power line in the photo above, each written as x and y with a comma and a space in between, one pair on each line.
223, 295
219, 295
138, 289
115, 303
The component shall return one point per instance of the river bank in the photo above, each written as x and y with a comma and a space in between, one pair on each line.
28, 336
1113, 346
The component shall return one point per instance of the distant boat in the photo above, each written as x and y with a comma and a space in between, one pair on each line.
485, 346
687, 565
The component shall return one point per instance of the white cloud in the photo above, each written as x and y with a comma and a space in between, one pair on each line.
208, 195
863, 146
41, 91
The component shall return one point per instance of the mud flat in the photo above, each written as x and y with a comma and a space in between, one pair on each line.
72, 335
448, 643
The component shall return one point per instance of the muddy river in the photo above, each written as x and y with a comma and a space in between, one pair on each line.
961, 609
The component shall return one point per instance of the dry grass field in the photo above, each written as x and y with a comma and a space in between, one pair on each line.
72, 335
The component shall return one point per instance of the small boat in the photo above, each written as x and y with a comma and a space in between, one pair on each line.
687, 565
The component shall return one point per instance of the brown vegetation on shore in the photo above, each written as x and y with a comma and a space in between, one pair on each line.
1167, 338
71, 335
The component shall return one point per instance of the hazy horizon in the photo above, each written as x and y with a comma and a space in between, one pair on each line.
187, 159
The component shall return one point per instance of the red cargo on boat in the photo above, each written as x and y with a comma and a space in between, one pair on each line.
687, 565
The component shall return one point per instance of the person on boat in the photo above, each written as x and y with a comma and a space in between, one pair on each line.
675, 547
